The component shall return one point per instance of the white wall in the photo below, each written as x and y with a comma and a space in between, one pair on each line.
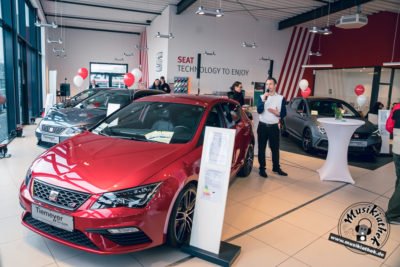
194, 34
85, 46
157, 45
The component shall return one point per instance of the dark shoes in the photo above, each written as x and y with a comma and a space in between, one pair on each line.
263, 173
280, 172
394, 221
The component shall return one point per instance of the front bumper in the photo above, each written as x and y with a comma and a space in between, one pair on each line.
364, 146
90, 226
50, 138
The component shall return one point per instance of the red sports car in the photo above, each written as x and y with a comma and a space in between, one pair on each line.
130, 182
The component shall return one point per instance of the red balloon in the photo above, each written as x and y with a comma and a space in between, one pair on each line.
2, 99
83, 72
129, 79
306, 93
359, 90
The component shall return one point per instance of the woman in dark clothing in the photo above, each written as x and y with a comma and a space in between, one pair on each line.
156, 85
236, 92
375, 109
164, 85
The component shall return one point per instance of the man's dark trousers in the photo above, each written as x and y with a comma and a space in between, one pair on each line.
269, 132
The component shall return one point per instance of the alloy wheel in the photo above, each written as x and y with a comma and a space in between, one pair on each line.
184, 216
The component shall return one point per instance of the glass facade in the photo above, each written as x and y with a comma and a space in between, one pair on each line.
20, 66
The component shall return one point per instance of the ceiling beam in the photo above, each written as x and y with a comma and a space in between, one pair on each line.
98, 30
319, 12
63, 16
183, 5
107, 7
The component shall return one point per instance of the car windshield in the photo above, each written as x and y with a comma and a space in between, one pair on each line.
169, 123
326, 108
82, 95
101, 100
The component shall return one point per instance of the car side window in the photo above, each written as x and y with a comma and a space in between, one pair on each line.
295, 104
232, 114
213, 120
301, 108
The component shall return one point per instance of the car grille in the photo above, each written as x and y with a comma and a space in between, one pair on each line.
67, 199
52, 129
128, 239
76, 237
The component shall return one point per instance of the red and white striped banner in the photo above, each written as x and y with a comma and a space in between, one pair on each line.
143, 61
296, 56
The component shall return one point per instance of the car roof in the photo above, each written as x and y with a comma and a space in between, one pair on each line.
319, 98
198, 100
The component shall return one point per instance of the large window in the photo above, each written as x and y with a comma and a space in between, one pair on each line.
3, 98
108, 75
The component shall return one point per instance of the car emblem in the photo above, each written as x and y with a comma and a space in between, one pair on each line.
53, 195
72, 204
51, 129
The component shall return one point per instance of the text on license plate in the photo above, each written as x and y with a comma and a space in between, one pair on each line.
53, 218
50, 139
359, 143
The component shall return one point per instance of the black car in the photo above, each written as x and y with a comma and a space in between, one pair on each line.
301, 123
61, 124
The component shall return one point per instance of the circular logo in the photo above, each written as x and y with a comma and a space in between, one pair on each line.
365, 223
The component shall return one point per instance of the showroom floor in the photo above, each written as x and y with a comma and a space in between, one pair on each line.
279, 221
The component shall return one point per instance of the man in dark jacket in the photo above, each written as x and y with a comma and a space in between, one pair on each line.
164, 85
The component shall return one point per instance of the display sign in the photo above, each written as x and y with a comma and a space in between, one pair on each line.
383, 115
212, 189
111, 107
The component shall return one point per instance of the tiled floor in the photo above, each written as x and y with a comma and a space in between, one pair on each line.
279, 221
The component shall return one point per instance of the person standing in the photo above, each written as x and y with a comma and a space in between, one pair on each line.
93, 84
236, 92
393, 126
271, 108
156, 85
164, 85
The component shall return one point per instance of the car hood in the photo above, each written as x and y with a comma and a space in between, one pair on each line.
97, 164
368, 127
75, 117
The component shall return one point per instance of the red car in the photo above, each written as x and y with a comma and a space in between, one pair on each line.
129, 183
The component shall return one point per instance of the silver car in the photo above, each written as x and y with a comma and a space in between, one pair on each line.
301, 123
61, 124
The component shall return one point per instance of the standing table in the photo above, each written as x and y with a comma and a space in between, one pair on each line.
339, 134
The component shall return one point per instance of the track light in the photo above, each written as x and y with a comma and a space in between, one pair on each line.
62, 50
169, 36
314, 29
253, 45
265, 58
52, 25
209, 53
326, 31
207, 12
318, 54
138, 47
128, 54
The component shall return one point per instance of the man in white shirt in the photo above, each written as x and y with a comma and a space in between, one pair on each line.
271, 108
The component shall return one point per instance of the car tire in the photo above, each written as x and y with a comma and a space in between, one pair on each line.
248, 162
306, 141
181, 219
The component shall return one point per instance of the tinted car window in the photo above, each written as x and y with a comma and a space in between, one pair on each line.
101, 100
327, 108
153, 122
231, 114
295, 104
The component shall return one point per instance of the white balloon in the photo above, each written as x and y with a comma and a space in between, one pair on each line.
303, 84
78, 81
361, 100
137, 73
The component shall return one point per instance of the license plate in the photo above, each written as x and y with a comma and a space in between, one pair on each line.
359, 143
50, 139
53, 218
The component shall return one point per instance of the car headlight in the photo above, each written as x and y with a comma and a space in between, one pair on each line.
321, 129
74, 130
137, 197
376, 133
28, 177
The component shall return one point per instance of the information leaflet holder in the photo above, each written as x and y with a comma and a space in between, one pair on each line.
339, 134
383, 115
212, 191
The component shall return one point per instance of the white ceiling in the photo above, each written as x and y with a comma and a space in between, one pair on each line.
133, 15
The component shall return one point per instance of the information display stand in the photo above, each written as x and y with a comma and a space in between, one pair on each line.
383, 115
212, 191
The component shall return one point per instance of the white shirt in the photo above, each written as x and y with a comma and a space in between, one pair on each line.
396, 141
273, 101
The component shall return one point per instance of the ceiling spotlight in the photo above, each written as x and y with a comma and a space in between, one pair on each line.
252, 45
138, 47
318, 54
52, 25
209, 53
207, 12
326, 31
128, 54
314, 29
59, 41
62, 50
169, 36
265, 58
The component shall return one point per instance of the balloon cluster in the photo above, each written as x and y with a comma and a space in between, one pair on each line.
131, 77
305, 90
361, 99
82, 75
